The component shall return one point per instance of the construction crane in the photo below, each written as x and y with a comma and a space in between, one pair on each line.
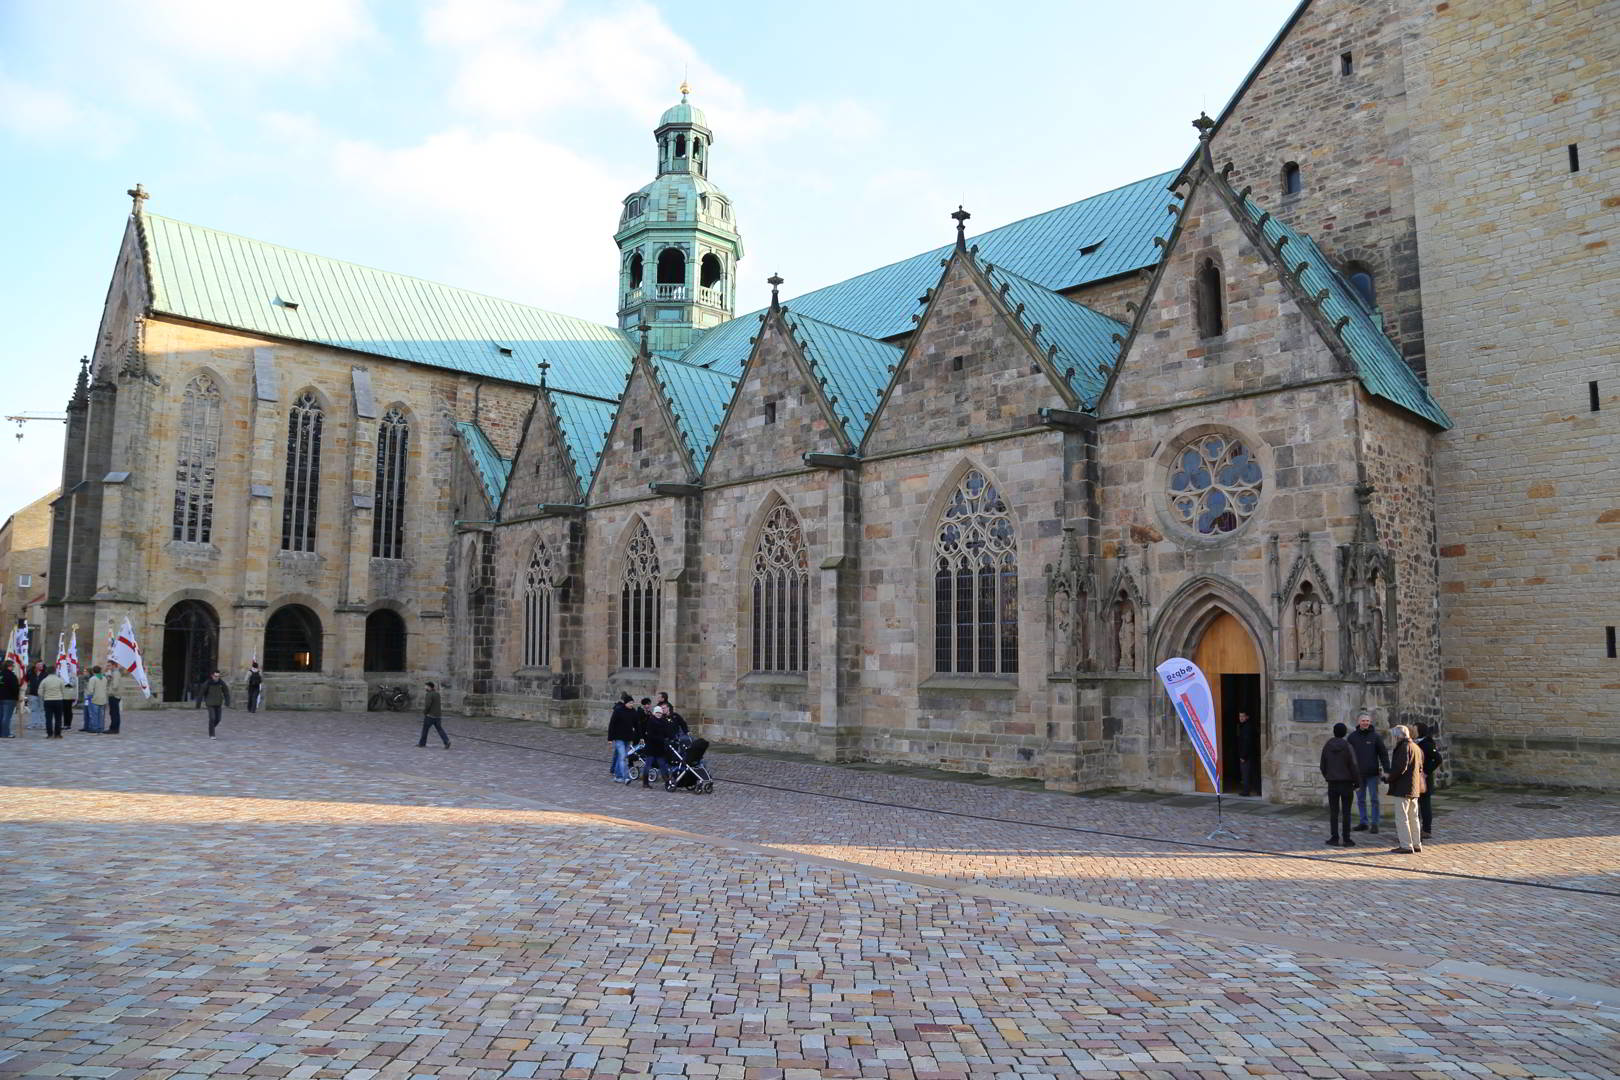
22, 418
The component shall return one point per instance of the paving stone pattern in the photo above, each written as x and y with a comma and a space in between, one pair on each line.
313, 896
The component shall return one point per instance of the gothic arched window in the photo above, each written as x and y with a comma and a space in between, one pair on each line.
388, 516
539, 587
641, 603
976, 582
197, 456
301, 498
781, 595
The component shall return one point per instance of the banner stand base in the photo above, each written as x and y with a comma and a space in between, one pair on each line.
1222, 830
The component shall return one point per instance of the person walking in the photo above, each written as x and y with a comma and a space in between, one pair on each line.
36, 704
10, 691
57, 698
1343, 777
1248, 747
95, 701
115, 691
1372, 759
216, 694
1431, 765
1405, 785
431, 718
255, 685
622, 730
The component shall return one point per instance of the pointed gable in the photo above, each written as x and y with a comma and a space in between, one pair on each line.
487, 464
698, 398
584, 423
851, 369
1264, 340
643, 446
543, 469
1080, 343
777, 413
970, 370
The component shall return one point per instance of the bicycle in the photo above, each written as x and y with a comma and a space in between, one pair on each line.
392, 698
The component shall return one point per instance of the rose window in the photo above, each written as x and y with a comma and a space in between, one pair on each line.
1214, 484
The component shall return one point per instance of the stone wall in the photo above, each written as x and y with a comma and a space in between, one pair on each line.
1349, 134
24, 552
136, 569
1520, 295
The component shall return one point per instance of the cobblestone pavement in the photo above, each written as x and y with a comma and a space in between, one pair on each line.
314, 896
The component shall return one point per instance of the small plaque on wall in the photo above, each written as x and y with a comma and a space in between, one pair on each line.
1310, 710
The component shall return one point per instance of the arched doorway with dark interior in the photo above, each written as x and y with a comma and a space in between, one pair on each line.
190, 648
292, 640
385, 641
1227, 655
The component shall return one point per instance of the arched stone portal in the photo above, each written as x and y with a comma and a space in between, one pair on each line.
1229, 660
190, 648
1215, 623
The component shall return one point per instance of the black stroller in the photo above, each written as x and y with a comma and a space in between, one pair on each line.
687, 771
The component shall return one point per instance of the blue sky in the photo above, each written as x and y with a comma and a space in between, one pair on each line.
487, 143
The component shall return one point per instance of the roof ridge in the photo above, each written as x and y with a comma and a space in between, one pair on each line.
379, 270
980, 236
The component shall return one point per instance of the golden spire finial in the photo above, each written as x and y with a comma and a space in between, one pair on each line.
685, 89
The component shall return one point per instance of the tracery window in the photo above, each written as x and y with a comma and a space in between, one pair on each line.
301, 498
781, 595
976, 582
388, 516
539, 589
197, 457
641, 603
1214, 484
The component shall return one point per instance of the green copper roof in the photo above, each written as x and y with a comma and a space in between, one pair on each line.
1383, 371
492, 468
683, 114
698, 398
1084, 338
1090, 240
233, 281
853, 369
585, 422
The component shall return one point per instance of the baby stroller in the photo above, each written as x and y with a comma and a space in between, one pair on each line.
687, 771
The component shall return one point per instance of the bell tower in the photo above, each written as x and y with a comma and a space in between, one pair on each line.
678, 241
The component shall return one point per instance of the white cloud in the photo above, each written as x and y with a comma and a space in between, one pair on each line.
34, 112
528, 213
301, 34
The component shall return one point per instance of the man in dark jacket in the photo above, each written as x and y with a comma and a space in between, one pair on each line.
1343, 776
216, 695
1372, 758
623, 727
1405, 785
657, 731
1431, 765
431, 718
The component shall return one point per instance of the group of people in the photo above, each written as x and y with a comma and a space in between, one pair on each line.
48, 699
653, 725
1356, 762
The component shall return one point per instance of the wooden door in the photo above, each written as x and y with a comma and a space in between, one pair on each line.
1225, 649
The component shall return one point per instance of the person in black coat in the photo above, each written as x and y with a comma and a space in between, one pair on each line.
1372, 758
1343, 776
657, 731
10, 690
624, 726
1248, 746
1431, 765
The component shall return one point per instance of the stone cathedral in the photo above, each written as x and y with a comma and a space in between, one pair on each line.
1328, 407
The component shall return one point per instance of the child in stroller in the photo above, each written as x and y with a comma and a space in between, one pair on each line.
686, 769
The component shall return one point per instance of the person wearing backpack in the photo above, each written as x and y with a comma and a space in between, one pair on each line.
1431, 765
